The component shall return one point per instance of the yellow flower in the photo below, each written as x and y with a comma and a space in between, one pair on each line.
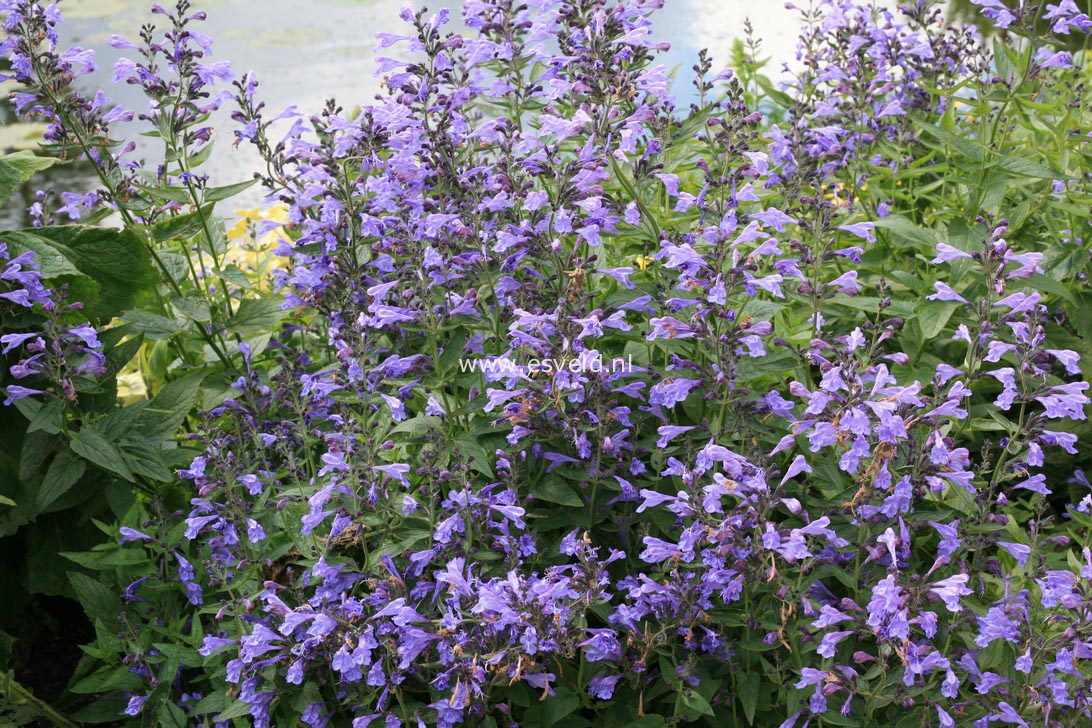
243, 224
643, 261
131, 386
253, 253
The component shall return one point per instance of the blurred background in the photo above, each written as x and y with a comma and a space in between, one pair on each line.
306, 51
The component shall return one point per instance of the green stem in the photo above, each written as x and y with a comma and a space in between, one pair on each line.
19, 695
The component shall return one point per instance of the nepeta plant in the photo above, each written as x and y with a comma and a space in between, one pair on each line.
831, 484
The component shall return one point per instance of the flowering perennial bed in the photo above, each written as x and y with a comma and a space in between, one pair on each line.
806, 448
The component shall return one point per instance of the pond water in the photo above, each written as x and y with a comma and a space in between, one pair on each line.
305, 51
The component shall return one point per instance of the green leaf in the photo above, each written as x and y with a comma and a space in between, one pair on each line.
49, 418
116, 260
557, 708
236, 710
418, 425
1027, 168
93, 447
255, 316
1044, 284
690, 704
104, 710
105, 560
165, 412
147, 463
166, 194
902, 228
64, 472
181, 226
215, 194
97, 599
170, 715
933, 316
15, 169
556, 490
193, 308
52, 263
120, 355
107, 679
781, 98
747, 684
967, 148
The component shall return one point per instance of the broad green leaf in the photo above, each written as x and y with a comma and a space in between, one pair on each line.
215, 194
98, 600
1027, 168
49, 417
933, 316
255, 316
193, 308
556, 490
64, 472
105, 560
181, 226
902, 228
147, 463
17, 168
165, 412
116, 260
747, 686
91, 446
1045, 284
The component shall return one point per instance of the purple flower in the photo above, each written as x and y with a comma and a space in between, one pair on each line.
861, 230
136, 705
602, 686
944, 292
672, 391
1019, 551
950, 590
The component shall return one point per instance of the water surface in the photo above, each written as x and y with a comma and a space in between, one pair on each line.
306, 51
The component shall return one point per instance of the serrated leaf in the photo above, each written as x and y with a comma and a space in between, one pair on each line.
97, 599
934, 315
905, 229
255, 316
104, 560
49, 417
418, 425
93, 447
556, 490
181, 226
215, 194
146, 462
116, 261
192, 308
1027, 168
17, 168
165, 412
64, 472
747, 689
